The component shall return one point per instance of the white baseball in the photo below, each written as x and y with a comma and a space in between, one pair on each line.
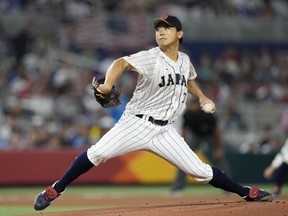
208, 108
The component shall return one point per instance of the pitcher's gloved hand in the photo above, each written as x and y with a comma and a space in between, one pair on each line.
108, 100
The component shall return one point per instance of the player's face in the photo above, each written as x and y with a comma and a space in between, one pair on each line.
166, 35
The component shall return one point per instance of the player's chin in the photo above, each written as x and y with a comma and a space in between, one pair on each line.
162, 43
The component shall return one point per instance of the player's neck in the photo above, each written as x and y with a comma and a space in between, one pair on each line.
170, 52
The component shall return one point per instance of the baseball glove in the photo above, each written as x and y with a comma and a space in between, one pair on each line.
108, 100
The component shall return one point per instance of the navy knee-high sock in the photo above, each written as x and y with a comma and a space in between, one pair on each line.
221, 180
281, 175
80, 165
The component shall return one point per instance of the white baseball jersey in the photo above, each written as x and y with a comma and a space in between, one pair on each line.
281, 157
160, 93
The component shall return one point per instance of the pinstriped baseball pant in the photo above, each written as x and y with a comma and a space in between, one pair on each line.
132, 134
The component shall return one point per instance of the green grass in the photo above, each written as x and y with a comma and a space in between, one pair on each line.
22, 210
10, 192
110, 189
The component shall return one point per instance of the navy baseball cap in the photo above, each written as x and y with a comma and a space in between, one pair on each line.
170, 20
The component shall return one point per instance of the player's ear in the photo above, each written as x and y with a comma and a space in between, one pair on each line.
180, 34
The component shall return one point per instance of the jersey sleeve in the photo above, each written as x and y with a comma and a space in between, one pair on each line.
141, 61
277, 161
281, 157
192, 72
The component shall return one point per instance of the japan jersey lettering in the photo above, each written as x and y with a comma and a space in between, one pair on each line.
161, 91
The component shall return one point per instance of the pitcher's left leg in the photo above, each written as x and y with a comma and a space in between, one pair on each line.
172, 147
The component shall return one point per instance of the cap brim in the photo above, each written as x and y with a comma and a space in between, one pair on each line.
159, 20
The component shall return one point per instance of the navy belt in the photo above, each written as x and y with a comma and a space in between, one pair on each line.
154, 121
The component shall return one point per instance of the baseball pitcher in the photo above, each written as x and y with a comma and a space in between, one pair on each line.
165, 77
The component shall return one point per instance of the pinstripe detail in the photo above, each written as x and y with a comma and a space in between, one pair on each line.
140, 143
163, 103
129, 134
181, 91
281, 156
132, 133
153, 96
197, 163
169, 101
174, 149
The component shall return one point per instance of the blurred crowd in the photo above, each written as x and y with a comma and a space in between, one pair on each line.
47, 103
196, 8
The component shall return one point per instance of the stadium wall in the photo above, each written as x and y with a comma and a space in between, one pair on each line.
40, 167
